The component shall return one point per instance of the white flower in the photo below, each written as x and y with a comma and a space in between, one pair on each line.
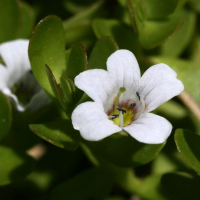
123, 100
16, 78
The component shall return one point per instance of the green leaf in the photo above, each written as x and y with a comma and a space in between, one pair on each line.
154, 33
27, 21
47, 46
175, 45
78, 28
103, 48
187, 72
66, 90
125, 151
181, 186
80, 33
115, 29
59, 133
187, 144
10, 19
85, 16
156, 9
91, 184
14, 165
77, 62
54, 86
5, 116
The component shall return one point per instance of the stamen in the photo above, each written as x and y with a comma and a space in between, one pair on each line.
138, 95
113, 116
121, 110
121, 90
133, 105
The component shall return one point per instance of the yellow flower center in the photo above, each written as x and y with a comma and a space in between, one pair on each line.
127, 117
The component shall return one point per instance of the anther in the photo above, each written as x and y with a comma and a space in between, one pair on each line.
138, 95
120, 109
113, 116
133, 105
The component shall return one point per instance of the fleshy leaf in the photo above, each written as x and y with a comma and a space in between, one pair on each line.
175, 45
91, 184
125, 151
14, 165
77, 62
27, 21
54, 86
187, 144
5, 116
103, 48
181, 186
10, 19
59, 133
66, 90
78, 28
154, 33
47, 46
156, 9
121, 33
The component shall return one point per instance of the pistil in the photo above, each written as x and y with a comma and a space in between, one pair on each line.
116, 102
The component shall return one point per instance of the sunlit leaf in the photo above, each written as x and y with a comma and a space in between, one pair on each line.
59, 133
47, 46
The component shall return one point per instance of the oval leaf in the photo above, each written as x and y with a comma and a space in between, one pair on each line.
103, 48
14, 165
59, 133
47, 46
187, 144
10, 19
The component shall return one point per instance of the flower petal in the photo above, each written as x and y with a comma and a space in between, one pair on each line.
14, 99
4, 77
159, 84
92, 122
97, 84
123, 66
150, 129
15, 57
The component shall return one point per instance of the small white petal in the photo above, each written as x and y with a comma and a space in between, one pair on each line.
158, 85
15, 57
123, 66
97, 84
92, 122
14, 99
4, 77
150, 129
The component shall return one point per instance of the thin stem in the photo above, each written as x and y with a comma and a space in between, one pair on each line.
190, 103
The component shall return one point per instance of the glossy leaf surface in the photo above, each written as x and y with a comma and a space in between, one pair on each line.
47, 46
59, 133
